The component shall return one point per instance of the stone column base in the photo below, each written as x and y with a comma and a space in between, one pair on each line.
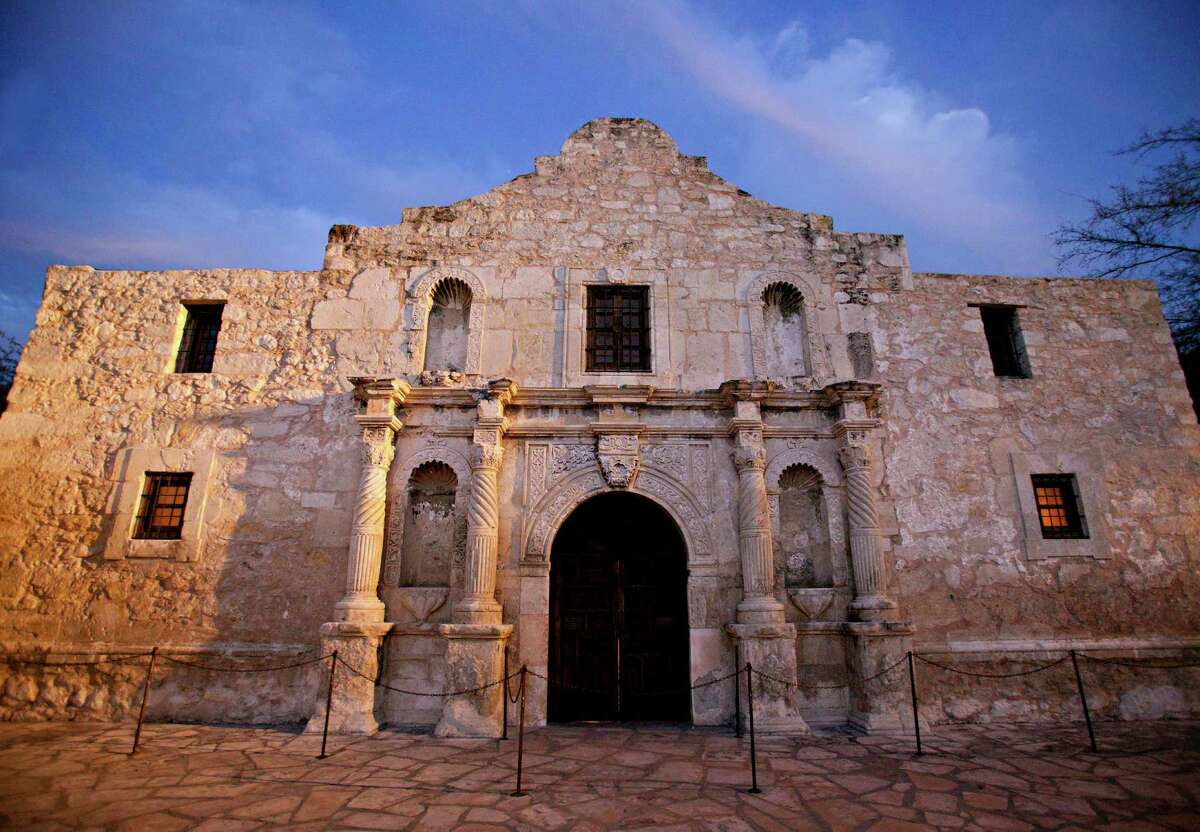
354, 702
882, 704
474, 657
771, 650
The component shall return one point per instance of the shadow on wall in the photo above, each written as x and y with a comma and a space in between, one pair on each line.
270, 569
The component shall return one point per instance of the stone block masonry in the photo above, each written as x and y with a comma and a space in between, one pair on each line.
385, 449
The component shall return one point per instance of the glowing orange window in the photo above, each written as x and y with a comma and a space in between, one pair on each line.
1059, 510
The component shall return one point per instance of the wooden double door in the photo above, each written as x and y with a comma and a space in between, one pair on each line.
618, 607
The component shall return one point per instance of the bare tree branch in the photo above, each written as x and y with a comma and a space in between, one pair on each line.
1150, 229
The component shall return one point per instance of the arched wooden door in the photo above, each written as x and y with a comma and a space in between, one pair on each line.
618, 614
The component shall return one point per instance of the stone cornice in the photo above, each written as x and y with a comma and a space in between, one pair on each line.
372, 420
380, 387
580, 397
619, 394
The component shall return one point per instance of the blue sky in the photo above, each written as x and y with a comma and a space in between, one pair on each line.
214, 133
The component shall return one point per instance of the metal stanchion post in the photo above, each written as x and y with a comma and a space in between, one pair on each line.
1087, 717
737, 702
328, 702
750, 708
520, 738
137, 734
912, 686
504, 717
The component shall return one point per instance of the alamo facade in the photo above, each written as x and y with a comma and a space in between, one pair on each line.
619, 422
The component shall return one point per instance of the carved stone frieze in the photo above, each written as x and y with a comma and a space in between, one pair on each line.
562, 500
688, 462
546, 516
535, 472
672, 458
568, 458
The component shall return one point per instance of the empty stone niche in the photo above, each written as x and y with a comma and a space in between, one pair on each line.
784, 333
446, 331
431, 528
804, 530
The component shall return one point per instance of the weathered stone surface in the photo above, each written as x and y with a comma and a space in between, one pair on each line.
895, 463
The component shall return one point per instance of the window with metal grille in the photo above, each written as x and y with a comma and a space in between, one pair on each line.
199, 342
160, 513
618, 329
1059, 508
1007, 347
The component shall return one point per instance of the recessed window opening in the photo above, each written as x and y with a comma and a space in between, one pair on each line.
1004, 340
784, 331
164, 499
618, 329
449, 322
1060, 511
199, 343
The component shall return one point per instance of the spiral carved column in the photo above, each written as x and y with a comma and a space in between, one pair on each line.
759, 604
478, 605
870, 576
361, 602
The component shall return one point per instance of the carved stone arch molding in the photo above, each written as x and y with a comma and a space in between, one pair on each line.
544, 518
832, 490
809, 289
421, 294
398, 501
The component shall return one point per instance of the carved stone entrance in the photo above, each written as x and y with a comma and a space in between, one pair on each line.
618, 603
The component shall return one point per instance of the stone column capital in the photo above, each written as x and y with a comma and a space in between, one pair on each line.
487, 456
748, 449
854, 457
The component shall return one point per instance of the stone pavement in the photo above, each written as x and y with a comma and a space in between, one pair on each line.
75, 776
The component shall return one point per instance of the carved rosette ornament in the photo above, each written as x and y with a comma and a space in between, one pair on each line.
870, 577
379, 427
618, 454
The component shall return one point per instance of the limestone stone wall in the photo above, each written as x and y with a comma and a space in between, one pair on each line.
1106, 400
272, 429
94, 380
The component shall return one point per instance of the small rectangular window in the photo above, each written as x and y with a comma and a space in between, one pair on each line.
1004, 341
199, 342
160, 513
1059, 508
618, 329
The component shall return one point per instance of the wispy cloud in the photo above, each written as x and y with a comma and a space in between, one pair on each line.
895, 143
237, 144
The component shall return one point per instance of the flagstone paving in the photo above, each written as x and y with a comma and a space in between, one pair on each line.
79, 776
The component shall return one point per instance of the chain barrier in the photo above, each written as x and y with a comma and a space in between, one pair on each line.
600, 691
803, 686
114, 658
519, 695
380, 684
978, 675
1138, 663
202, 666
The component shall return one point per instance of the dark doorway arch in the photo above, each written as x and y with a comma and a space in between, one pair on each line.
618, 614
